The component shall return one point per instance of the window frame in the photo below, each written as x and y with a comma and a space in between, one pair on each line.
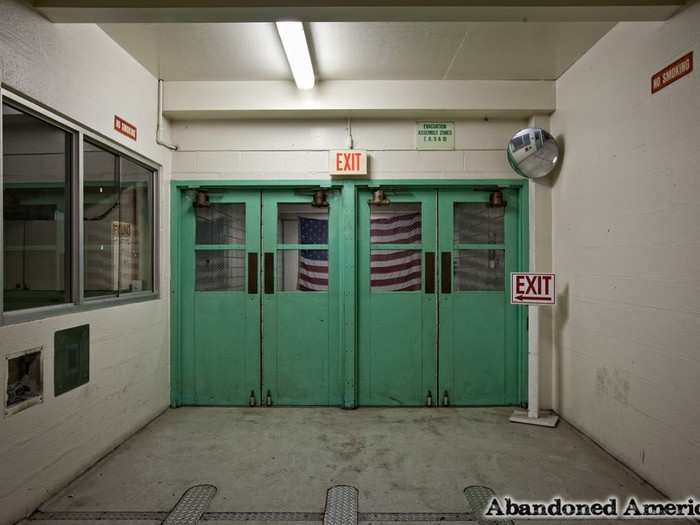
75, 229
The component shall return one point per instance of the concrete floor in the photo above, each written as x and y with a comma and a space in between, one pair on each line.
401, 460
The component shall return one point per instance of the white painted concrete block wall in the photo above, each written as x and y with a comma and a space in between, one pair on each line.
298, 149
79, 71
626, 230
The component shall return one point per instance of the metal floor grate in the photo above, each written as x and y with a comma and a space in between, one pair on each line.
193, 503
478, 498
341, 506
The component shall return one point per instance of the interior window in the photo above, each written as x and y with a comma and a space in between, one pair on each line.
37, 165
118, 218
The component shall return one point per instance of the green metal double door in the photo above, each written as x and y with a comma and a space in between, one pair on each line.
261, 295
435, 324
260, 309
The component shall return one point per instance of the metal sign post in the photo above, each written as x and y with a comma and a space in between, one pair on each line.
533, 290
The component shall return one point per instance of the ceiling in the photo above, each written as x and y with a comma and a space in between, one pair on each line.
362, 50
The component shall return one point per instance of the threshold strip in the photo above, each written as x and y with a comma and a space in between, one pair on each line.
415, 516
262, 516
98, 516
250, 516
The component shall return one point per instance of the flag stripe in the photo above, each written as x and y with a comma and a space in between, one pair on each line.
395, 270
390, 270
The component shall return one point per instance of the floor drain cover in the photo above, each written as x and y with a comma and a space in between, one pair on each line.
478, 498
341, 506
262, 516
98, 516
193, 503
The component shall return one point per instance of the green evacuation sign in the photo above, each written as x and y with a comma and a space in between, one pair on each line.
435, 135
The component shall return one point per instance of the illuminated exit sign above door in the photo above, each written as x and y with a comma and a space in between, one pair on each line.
348, 162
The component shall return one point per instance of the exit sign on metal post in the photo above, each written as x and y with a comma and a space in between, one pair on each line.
532, 288
348, 162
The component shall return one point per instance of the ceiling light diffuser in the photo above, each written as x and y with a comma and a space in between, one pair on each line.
297, 50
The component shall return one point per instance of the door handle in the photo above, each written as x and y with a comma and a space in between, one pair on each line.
430, 272
446, 271
269, 272
252, 273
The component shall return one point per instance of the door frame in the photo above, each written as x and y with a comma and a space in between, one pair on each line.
348, 254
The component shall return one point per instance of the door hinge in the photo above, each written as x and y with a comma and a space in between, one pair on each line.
251, 400
445, 399
268, 399
429, 399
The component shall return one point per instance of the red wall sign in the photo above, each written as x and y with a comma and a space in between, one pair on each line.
125, 128
672, 72
532, 288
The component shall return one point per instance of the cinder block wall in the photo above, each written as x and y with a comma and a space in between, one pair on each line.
626, 235
79, 71
299, 149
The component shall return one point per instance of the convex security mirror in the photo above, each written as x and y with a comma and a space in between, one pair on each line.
533, 153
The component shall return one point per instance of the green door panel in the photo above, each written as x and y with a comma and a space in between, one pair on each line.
297, 351
472, 349
227, 363
374, 328
396, 355
301, 344
220, 347
478, 356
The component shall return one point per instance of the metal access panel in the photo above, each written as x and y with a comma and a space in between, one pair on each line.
71, 358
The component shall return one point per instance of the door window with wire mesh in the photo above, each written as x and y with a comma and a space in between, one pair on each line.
220, 248
478, 238
302, 248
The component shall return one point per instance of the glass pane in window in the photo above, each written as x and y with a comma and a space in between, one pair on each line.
100, 218
221, 224
395, 270
478, 223
135, 228
302, 270
479, 270
397, 223
36, 211
301, 224
219, 270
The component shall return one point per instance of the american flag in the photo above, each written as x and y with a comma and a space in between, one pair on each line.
395, 270
313, 264
390, 270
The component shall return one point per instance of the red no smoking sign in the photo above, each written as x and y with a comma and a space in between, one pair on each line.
532, 288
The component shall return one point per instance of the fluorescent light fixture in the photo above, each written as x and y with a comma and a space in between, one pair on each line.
297, 51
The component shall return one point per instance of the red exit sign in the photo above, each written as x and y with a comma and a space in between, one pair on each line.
124, 127
348, 162
532, 288
672, 72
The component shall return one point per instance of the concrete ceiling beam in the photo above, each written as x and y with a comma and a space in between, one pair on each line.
368, 99
154, 11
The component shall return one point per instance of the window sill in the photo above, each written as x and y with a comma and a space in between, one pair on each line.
23, 405
35, 314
